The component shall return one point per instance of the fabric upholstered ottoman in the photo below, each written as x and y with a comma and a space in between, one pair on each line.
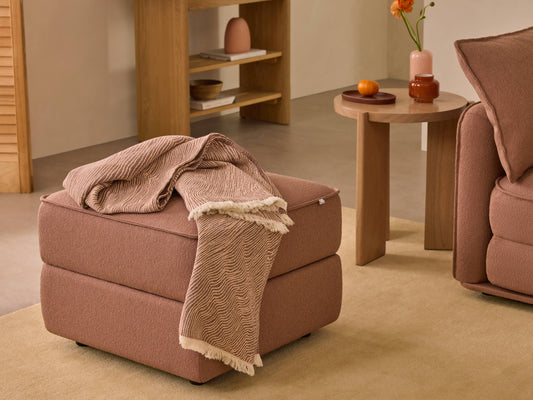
118, 282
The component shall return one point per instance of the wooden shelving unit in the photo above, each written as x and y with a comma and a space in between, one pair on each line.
164, 64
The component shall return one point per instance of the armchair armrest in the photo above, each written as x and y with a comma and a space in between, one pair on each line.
476, 168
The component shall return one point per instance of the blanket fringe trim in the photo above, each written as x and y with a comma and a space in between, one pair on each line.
214, 353
246, 211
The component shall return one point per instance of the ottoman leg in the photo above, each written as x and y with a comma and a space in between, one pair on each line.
81, 344
196, 383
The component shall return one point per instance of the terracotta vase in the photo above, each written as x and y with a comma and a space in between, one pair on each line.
237, 36
420, 62
424, 88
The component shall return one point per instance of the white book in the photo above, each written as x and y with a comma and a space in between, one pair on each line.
207, 104
218, 54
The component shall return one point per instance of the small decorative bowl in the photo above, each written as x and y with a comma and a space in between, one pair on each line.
205, 89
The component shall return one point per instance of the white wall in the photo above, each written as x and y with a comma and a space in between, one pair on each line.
81, 60
458, 19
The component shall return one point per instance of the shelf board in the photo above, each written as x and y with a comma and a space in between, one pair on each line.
200, 64
244, 98
199, 4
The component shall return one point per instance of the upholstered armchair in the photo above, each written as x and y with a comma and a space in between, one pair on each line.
493, 235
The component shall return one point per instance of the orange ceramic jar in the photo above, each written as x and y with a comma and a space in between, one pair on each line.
424, 88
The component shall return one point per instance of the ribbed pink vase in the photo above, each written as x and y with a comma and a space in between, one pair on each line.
420, 62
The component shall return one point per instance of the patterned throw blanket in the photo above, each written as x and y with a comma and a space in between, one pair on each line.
240, 217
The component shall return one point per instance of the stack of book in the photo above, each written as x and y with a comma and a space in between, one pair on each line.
220, 101
218, 54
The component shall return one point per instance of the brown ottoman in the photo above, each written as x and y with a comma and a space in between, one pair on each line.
118, 282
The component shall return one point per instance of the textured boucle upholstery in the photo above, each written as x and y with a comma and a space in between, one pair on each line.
142, 327
477, 167
511, 209
499, 69
510, 252
509, 265
493, 232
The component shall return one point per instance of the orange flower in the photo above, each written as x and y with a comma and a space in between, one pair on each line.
398, 8
406, 5
395, 10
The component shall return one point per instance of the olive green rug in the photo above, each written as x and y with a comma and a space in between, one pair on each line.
407, 330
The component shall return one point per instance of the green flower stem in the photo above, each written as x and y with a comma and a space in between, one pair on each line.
415, 34
422, 16
411, 31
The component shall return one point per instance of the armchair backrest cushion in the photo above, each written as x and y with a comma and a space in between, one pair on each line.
500, 68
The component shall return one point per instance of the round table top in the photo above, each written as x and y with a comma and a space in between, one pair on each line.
405, 110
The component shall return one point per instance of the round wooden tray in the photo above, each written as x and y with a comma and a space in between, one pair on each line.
378, 98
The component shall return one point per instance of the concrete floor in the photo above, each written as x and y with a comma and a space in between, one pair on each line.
318, 145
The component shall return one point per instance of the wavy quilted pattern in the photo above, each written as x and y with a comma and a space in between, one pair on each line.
240, 217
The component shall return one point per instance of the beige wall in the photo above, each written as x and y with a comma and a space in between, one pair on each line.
81, 72
81, 61
337, 43
457, 19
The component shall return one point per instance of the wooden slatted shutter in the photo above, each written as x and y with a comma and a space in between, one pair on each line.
15, 155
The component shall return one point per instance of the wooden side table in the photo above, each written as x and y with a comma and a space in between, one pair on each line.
372, 174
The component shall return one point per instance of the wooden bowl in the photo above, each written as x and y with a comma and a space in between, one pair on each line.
205, 89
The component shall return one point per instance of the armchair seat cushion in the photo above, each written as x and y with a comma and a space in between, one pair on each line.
511, 209
510, 251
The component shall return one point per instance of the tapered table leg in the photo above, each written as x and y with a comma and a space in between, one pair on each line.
372, 189
440, 185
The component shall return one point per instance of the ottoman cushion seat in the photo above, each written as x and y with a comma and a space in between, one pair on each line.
155, 252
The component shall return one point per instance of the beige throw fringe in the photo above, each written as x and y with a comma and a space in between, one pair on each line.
240, 217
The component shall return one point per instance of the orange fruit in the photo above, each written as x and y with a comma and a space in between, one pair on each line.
367, 88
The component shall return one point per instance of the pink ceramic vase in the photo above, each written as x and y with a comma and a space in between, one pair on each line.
420, 62
237, 36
